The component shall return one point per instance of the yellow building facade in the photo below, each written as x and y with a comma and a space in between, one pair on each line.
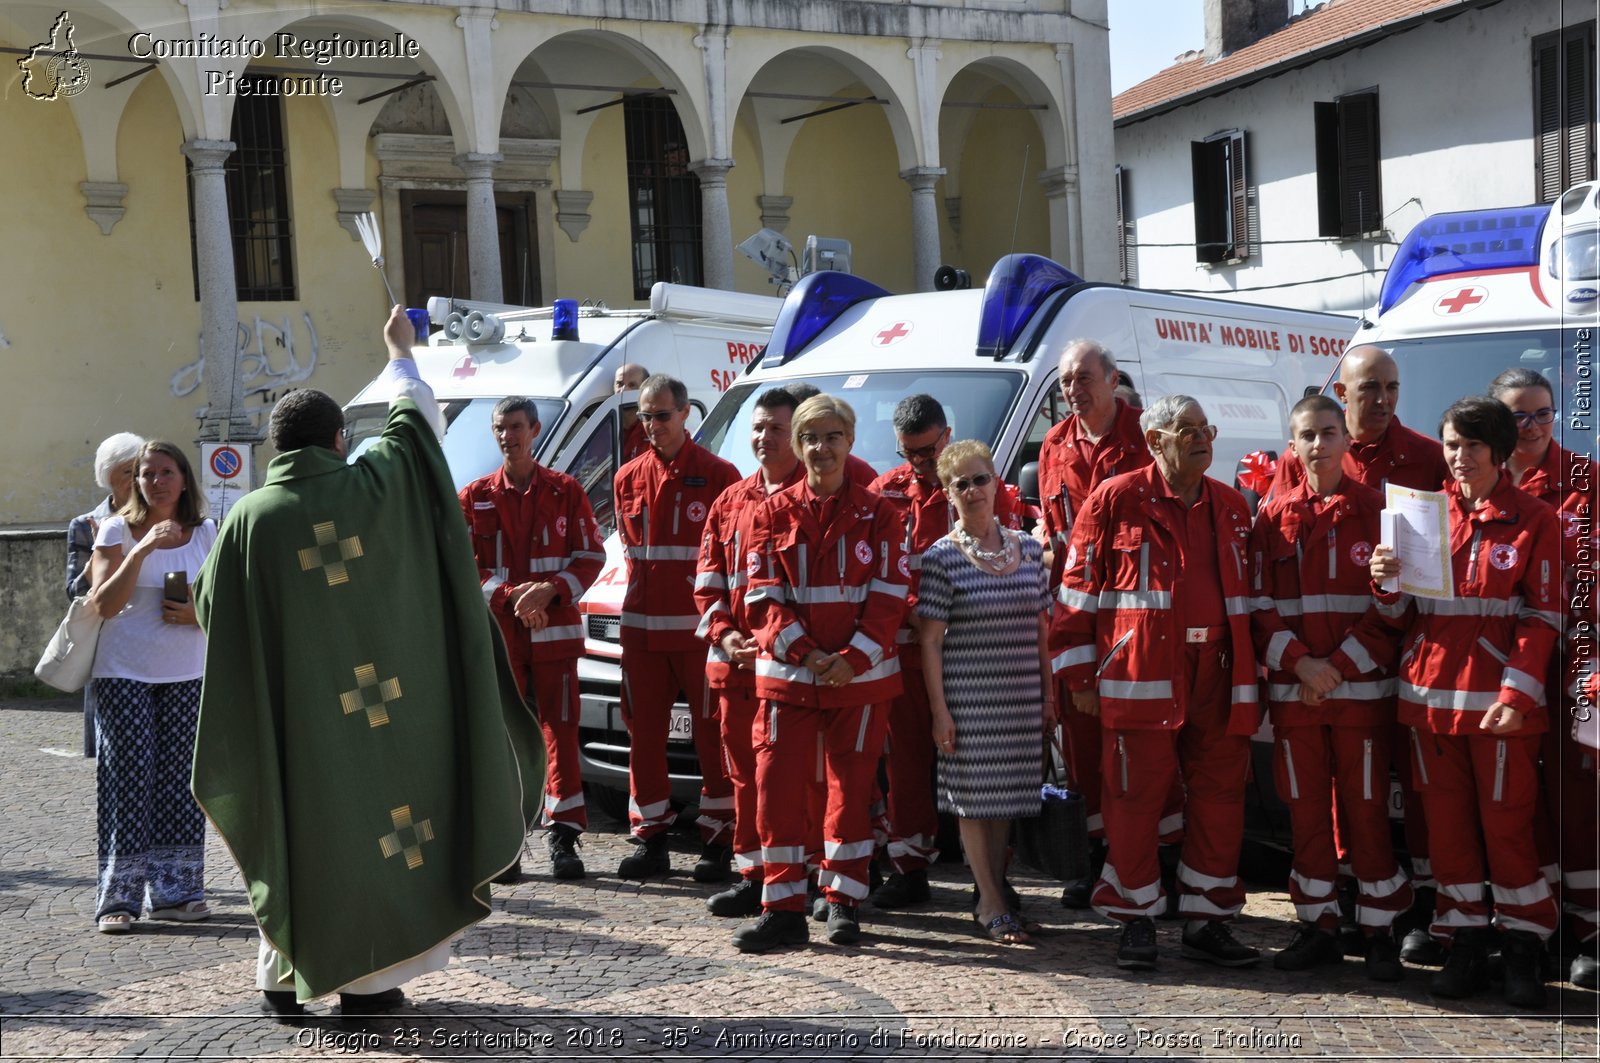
183, 179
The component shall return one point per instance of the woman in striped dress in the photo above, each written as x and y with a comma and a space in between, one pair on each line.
985, 602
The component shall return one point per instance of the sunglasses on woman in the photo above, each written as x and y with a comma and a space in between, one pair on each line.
981, 480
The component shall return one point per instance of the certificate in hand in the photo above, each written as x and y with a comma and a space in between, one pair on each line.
1417, 525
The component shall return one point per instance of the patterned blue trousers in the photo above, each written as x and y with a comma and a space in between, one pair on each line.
152, 834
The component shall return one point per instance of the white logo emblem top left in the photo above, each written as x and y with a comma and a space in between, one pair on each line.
54, 69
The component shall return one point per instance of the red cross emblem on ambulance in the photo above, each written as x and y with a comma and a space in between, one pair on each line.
1461, 301
893, 334
464, 368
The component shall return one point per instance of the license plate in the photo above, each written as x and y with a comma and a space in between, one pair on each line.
681, 729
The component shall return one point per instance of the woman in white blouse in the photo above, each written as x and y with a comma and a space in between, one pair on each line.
147, 686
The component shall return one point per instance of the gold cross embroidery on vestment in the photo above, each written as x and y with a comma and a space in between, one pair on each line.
318, 556
356, 700
419, 832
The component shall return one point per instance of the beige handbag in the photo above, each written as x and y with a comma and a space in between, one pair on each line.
69, 657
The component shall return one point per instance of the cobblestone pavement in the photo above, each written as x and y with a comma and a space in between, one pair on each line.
603, 968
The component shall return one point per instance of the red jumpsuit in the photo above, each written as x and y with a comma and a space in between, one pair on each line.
1565, 823
546, 533
1154, 614
1070, 467
826, 574
1490, 643
1409, 459
719, 588
913, 819
661, 511
1314, 598
634, 442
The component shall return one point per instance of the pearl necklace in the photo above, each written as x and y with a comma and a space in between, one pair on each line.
1000, 558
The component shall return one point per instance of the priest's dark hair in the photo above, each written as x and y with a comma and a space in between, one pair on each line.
305, 417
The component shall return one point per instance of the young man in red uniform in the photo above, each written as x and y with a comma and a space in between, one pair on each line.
921, 432
730, 664
662, 499
1152, 630
538, 549
1382, 450
1100, 438
1331, 691
827, 585
1472, 694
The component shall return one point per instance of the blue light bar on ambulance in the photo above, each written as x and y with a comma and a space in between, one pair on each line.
1465, 241
1017, 286
812, 305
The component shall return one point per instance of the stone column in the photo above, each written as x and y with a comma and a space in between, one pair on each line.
924, 224
483, 232
219, 296
716, 228
1061, 199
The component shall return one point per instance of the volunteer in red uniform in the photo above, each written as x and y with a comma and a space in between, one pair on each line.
538, 549
634, 441
1152, 631
1382, 450
730, 664
828, 581
1331, 692
662, 499
1472, 693
921, 433
1565, 824
1100, 439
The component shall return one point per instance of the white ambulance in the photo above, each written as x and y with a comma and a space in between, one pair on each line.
990, 357
565, 359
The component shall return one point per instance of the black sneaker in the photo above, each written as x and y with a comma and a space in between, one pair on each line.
1311, 946
1466, 967
1422, 948
902, 891
651, 858
354, 1005
281, 1004
1137, 949
844, 926
1214, 942
1383, 959
565, 863
773, 930
1523, 956
1584, 972
742, 898
715, 864
509, 875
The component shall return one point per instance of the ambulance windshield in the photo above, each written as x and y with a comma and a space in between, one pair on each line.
469, 444
1437, 370
975, 404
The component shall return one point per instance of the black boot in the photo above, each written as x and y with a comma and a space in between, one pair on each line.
565, 863
742, 898
1523, 954
1585, 971
772, 931
715, 864
1077, 892
1169, 856
902, 890
651, 858
1417, 943
1465, 969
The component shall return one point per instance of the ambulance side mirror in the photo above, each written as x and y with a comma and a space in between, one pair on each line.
1028, 483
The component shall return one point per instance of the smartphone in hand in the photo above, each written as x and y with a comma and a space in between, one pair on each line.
175, 586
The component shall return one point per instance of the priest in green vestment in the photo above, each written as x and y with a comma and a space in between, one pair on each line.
362, 748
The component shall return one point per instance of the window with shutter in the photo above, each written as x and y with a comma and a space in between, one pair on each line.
1127, 254
1221, 198
1349, 165
1563, 110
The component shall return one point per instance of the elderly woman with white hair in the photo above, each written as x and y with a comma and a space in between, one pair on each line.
114, 462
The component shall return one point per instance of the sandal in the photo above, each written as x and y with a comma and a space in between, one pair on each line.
114, 923
1028, 926
1003, 928
192, 912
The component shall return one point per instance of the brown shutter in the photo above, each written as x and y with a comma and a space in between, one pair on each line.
1577, 111
1563, 110
1326, 116
1239, 199
1360, 198
1208, 219
1125, 251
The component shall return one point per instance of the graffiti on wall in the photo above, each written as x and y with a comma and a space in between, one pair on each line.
271, 360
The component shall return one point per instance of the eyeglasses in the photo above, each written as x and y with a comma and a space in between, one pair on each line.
926, 453
658, 416
1544, 416
1190, 433
983, 479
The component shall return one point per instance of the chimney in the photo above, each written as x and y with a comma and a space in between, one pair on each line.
1235, 24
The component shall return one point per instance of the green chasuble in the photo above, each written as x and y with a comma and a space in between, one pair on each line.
362, 748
